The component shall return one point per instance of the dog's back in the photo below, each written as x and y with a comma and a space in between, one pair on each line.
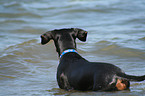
77, 73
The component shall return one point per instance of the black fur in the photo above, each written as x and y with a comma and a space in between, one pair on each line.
75, 72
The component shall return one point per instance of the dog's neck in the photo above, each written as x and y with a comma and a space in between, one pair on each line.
67, 51
65, 45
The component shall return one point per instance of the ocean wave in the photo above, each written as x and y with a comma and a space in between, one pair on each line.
143, 38
23, 14
11, 4
19, 48
30, 51
12, 21
109, 48
25, 58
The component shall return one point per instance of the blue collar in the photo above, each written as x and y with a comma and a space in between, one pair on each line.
67, 51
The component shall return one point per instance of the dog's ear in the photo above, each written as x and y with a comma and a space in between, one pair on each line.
45, 38
81, 34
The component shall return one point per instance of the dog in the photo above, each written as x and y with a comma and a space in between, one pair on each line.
76, 73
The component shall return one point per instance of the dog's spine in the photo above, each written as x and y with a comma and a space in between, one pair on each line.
131, 77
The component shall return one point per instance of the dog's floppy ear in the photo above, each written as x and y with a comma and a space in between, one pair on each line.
45, 38
81, 34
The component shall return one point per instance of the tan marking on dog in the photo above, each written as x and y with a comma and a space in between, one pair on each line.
120, 85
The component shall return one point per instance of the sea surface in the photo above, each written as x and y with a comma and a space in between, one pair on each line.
116, 34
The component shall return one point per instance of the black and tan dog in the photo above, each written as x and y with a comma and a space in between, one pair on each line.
75, 72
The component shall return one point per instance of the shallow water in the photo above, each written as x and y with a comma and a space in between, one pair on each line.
116, 34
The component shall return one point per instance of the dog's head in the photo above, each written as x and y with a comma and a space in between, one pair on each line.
75, 32
64, 38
